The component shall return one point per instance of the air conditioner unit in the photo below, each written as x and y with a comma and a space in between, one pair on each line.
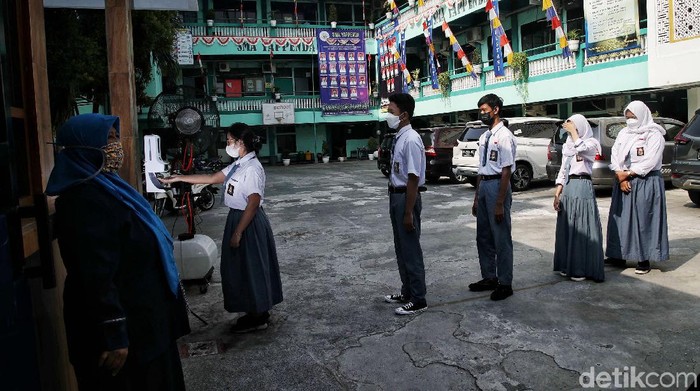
224, 67
474, 34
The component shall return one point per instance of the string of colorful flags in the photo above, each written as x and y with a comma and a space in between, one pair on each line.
499, 40
458, 49
548, 8
428, 33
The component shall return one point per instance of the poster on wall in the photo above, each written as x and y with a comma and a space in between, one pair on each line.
611, 26
343, 71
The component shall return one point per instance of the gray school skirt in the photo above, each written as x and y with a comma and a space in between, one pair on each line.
250, 274
637, 225
578, 249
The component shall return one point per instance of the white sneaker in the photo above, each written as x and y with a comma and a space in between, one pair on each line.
578, 279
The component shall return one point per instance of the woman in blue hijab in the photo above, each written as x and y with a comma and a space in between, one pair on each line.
123, 307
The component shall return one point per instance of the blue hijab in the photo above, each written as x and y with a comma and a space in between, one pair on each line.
83, 138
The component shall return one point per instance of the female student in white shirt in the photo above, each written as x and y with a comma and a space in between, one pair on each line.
250, 274
578, 249
637, 224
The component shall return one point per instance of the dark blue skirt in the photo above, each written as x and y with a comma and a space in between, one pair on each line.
578, 250
637, 225
250, 274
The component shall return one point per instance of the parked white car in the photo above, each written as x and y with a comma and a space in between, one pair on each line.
532, 136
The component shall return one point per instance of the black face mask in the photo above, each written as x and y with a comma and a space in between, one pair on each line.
486, 119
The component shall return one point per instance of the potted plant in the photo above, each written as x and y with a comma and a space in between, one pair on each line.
325, 150
375, 89
444, 83
333, 15
273, 18
520, 67
389, 11
212, 94
411, 3
372, 145
210, 15
521, 73
573, 36
276, 93
415, 74
476, 60
371, 26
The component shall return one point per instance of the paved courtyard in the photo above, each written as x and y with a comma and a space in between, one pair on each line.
334, 332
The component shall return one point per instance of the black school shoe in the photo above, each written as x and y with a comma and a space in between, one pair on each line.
397, 298
643, 267
251, 322
487, 284
502, 292
617, 262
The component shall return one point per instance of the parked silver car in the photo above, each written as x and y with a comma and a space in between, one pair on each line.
685, 168
605, 129
531, 134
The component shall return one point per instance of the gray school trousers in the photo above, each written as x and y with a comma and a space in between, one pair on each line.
493, 240
409, 254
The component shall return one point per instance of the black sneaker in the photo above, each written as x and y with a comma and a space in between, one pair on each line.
643, 267
411, 308
502, 292
250, 322
487, 284
397, 298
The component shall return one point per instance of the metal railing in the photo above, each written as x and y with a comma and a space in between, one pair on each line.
264, 30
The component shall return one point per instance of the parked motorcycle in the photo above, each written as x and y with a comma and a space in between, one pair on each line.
203, 196
204, 165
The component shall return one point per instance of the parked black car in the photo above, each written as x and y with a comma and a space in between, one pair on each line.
605, 129
685, 168
384, 153
439, 142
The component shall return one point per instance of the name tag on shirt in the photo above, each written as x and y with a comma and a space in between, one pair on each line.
493, 156
229, 190
579, 158
396, 167
640, 151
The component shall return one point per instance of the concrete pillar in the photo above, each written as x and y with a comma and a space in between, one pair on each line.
693, 101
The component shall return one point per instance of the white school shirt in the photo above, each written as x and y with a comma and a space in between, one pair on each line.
645, 155
408, 157
500, 152
581, 163
248, 179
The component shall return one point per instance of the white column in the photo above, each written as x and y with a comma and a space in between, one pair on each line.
693, 101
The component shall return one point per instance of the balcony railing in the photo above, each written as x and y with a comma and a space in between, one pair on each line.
637, 52
548, 63
263, 30
254, 103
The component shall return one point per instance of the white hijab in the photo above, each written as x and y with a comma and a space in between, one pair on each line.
628, 136
585, 133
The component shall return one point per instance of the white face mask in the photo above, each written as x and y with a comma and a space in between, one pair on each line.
632, 123
393, 120
232, 151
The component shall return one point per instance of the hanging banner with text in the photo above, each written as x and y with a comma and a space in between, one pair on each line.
611, 26
183, 48
343, 71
